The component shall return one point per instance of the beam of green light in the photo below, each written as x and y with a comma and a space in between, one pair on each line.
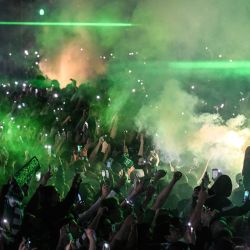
183, 68
216, 68
213, 65
76, 24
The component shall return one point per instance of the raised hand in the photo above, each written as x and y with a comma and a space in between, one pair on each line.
105, 191
45, 178
205, 181
90, 234
177, 176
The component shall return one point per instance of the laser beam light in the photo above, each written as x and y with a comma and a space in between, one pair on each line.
210, 65
77, 24
234, 67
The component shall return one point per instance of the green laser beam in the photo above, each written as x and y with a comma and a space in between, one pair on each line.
182, 68
218, 68
210, 65
76, 24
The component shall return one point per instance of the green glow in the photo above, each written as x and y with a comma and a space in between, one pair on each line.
211, 65
76, 24
216, 68
202, 68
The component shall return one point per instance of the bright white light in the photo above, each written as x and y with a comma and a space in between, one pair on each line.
38, 176
234, 139
55, 95
41, 12
26, 52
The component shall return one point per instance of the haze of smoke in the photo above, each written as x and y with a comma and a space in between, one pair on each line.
178, 130
72, 61
168, 30
75, 52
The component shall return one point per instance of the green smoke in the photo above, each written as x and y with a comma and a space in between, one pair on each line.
141, 72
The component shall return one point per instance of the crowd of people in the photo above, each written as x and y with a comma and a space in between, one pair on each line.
94, 186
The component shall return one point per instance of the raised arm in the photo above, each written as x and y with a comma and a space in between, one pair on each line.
141, 148
87, 214
164, 194
95, 150
70, 198
196, 215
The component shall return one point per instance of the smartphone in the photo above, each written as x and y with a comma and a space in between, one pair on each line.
109, 162
79, 198
79, 148
190, 227
215, 173
106, 246
129, 202
107, 173
28, 244
49, 149
103, 173
246, 196
38, 176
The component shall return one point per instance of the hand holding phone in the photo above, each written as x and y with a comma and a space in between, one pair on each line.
215, 173
246, 196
